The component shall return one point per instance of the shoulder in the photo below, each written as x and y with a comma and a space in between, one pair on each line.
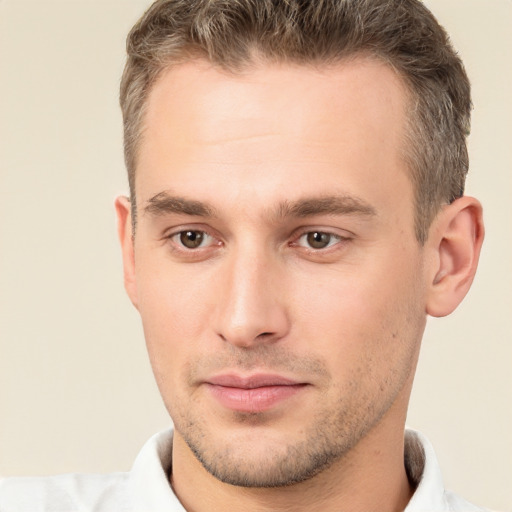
63, 493
146, 487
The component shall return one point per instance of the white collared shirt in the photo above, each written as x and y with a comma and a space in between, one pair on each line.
146, 487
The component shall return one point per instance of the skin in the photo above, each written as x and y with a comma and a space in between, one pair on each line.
255, 164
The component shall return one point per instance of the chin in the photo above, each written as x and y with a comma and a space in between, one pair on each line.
268, 465
256, 455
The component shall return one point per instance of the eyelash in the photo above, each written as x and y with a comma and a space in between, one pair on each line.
178, 246
335, 239
175, 236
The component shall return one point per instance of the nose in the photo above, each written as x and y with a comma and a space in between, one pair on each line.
251, 307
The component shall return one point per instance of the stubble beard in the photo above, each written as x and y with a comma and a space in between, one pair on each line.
277, 465
285, 460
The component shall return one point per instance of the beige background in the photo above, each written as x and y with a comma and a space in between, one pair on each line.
76, 391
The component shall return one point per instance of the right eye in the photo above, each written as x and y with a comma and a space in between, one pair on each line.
192, 239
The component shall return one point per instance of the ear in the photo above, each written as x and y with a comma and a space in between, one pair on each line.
124, 231
455, 241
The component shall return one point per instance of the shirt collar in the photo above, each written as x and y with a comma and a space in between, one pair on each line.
148, 481
424, 473
151, 490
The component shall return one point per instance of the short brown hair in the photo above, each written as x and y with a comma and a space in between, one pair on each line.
402, 33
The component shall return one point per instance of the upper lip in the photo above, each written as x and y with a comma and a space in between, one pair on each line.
251, 381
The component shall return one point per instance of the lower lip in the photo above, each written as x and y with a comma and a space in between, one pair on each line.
254, 399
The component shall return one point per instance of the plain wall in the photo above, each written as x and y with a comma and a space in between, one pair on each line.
76, 390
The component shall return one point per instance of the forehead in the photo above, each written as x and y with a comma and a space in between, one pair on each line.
203, 94
273, 126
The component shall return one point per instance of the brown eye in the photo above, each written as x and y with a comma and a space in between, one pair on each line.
318, 240
192, 239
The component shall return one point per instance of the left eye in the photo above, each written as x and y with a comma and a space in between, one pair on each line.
192, 239
318, 240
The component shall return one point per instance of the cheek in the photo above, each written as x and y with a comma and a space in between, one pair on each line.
364, 321
171, 297
174, 308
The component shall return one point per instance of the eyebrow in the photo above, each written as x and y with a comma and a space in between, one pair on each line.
325, 205
164, 203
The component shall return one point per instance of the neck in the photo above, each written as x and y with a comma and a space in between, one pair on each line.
371, 477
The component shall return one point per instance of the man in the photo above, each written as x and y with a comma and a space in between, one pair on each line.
296, 173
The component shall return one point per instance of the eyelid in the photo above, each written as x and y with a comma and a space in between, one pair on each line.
215, 240
170, 234
340, 242
206, 242
339, 233
336, 238
175, 230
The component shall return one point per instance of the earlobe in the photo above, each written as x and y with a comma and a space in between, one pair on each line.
455, 241
124, 230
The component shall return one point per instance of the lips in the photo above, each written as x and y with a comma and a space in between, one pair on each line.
254, 393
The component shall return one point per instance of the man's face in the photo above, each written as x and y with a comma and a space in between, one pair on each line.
276, 268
